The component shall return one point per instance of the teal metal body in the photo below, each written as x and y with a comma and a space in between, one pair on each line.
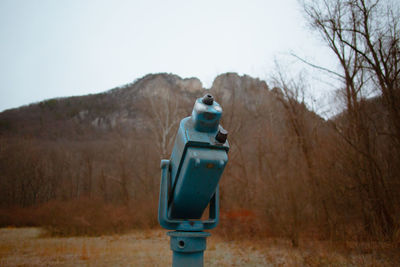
189, 181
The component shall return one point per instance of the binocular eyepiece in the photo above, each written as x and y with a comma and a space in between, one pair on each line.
208, 99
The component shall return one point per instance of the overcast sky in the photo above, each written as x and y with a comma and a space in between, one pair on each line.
52, 48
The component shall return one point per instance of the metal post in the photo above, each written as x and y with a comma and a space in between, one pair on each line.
188, 248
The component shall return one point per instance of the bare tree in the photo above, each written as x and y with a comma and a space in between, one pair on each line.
165, 114
292, 98
364, 37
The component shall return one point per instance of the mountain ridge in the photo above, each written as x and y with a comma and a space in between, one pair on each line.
122, 106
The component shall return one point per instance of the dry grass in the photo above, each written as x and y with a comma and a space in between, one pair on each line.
31, 247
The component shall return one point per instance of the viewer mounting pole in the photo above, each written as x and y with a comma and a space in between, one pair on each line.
189, 182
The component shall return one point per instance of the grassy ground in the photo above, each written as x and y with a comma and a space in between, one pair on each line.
31, 247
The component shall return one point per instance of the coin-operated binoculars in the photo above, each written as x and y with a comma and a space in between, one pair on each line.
189, 182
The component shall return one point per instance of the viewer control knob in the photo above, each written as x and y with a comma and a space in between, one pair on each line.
222, 135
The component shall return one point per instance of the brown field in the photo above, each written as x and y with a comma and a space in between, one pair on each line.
31, 247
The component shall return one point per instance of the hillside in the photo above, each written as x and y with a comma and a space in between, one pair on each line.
90, 164
82, 116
